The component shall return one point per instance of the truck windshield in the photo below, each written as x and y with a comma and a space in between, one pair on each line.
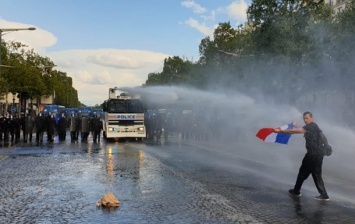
125, 106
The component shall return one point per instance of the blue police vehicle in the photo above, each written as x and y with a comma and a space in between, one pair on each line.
85, 111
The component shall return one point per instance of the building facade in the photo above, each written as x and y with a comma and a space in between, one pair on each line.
338, 5
12, 104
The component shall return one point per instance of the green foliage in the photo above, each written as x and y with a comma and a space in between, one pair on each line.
287, 48
343, 45
175, 71
28, 73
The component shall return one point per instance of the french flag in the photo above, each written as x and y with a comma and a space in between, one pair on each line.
268, 135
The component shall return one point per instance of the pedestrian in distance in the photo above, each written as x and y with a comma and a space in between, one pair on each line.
312, 161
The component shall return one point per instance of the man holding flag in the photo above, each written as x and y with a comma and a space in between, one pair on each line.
312, 161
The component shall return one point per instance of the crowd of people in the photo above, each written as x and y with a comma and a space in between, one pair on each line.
34, 127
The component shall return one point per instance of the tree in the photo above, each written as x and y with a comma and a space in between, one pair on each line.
153, 79
32, 76
286, 49
291, 37
175, 71
343, 47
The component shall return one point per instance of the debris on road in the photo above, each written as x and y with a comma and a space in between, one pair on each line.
108, 200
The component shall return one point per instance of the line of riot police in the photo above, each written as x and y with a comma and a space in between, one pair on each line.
84, 125
52, 125
214, 124
159, 123
10, 128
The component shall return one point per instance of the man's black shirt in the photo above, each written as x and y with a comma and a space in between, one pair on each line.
311, 136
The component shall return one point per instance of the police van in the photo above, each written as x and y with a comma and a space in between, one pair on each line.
52, 109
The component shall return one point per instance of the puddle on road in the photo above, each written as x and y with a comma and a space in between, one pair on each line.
103, 163
92, 150
27, 151
77, 175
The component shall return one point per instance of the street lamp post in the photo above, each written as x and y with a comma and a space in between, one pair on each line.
13, 104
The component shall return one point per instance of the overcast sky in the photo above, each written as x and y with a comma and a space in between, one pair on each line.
102, 44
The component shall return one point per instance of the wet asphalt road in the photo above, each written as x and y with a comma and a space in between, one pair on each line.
173, 182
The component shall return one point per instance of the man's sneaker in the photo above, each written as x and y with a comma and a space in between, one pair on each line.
322, 198
293, 193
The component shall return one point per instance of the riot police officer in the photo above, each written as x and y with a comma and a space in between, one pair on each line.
62, 127
40, 127
85, 128
29, 124
6, 128
73, 128
11, 128
96, 127
50, 124
1, 128
149, 121
77, 127
17, 128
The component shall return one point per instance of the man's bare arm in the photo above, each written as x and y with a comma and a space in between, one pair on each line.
290, 131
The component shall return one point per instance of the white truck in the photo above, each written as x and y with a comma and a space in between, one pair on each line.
123, 116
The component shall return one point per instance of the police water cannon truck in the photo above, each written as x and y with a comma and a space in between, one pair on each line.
123, 116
